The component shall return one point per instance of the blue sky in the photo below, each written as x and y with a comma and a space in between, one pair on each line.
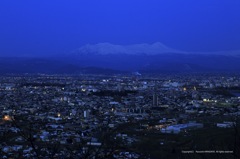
50, 27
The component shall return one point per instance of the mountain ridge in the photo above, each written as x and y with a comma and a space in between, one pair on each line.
110, 58
108, 48
143, 48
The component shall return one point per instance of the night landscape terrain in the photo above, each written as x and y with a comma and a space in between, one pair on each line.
119, 79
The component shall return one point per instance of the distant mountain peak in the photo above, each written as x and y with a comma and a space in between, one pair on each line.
141, 49
108, 48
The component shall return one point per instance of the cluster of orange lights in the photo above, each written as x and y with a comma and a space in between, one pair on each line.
7, 118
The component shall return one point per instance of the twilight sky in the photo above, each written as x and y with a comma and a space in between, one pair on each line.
48, 27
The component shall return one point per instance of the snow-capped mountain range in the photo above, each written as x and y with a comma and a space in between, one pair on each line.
110, 58
108, 48
136, 49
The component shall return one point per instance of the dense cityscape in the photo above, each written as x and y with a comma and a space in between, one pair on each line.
120, 116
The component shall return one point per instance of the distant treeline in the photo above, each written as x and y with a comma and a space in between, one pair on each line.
114, 93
